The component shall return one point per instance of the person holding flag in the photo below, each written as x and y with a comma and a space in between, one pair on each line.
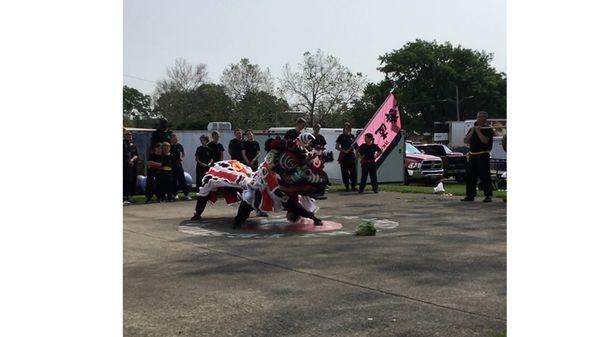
377, 140
368, 152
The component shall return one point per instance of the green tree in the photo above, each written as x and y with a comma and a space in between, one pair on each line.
182, 76
194, 109
321, 86
258, 110
136, 105
425, 76
244, 77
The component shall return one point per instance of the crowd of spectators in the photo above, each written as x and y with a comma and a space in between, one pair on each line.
165, 174
166, 177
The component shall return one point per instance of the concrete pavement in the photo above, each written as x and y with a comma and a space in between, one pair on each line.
437, 267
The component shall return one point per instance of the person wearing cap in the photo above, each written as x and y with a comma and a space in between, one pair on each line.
203, 160
130, 160
368, 152
292, 134
162, 133
319, 142
178, 173
235, 146
216, 148
347, 159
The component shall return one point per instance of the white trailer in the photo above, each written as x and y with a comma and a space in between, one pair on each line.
390, 171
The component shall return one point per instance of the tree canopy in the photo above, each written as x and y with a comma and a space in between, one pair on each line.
244, 77
258, 110
196, 108
136, 105
183, 76
424, 76
321, 86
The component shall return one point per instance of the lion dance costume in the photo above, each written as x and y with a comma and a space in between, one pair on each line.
287, 178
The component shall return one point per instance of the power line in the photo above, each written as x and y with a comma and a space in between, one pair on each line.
139, 78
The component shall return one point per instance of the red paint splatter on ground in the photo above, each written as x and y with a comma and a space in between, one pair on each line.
304, 225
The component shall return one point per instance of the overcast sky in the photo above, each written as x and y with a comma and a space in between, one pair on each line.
275, 32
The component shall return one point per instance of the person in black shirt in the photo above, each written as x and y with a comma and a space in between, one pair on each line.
154, 163
178, 173
347, 160
368, 152
480, 140
165, 176
250, 153
292, 134
130, 159
203, 160
251, 150
162, 133
236, 145
216, 148
319, 142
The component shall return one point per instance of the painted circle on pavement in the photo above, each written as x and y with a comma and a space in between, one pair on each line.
276, 227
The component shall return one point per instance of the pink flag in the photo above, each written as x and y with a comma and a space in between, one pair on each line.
385, 126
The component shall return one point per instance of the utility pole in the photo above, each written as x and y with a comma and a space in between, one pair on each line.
457, 104
457, 101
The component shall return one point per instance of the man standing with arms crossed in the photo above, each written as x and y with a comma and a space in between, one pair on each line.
235, 146
216, 148
480, 139
250, 150
204, 160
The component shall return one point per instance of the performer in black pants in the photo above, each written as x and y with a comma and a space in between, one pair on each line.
347, 158
200, 206
178, 173
293, 207
203, 160
479, 138
368, 152
201, 202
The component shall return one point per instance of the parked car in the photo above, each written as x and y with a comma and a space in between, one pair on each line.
421, 166
455, 163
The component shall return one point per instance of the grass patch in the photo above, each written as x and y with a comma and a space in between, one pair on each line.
452, 188
140, 199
